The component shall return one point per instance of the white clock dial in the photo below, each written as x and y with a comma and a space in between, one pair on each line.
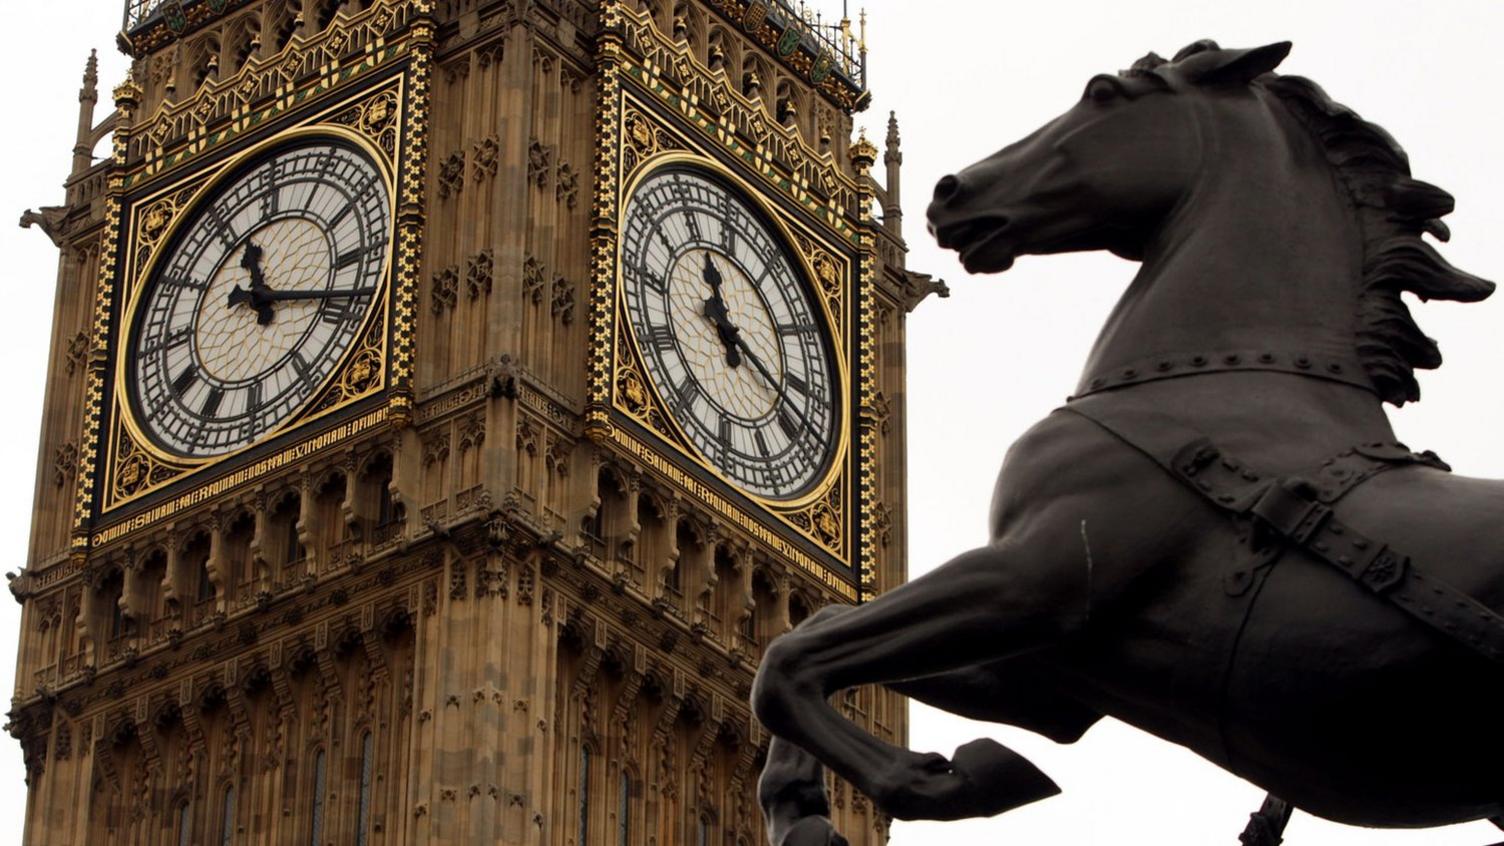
259, 298
729, 333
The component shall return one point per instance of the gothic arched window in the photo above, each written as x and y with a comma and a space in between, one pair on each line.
320, 779
367, 764
624, 809
227, 809
584, 794
185, 824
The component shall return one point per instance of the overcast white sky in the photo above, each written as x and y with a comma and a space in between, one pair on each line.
965, 78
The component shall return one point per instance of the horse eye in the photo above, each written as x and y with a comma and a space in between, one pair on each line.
1101, 90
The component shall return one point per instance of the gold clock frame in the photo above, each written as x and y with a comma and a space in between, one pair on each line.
139, 286
656, 97
629, 360
373, 120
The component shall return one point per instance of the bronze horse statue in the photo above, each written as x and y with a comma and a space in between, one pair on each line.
1218, 539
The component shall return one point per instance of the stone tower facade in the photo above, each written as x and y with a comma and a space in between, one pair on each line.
455, 562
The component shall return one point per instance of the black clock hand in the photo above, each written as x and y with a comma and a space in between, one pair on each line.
774, 383
715, 309
250, 259
270, 295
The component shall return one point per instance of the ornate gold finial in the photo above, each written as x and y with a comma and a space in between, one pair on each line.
863, 152
128, 95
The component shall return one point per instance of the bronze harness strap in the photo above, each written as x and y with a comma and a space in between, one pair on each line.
1299, 510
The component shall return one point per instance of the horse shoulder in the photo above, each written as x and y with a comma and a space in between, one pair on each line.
1069, 483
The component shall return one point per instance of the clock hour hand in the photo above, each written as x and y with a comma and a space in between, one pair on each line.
250, 259
720, 316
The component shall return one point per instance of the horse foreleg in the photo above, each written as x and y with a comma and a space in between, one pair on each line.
981, 607
792, 788
1015, 691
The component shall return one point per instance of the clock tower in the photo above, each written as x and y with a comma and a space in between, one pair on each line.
449, 400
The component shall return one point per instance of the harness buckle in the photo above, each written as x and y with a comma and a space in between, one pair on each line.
1385, 571
1288, 509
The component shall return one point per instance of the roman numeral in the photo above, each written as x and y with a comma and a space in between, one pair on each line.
663, 338
790, 329
184, 282
684, 394
351, 257
301, 365
211, 402
337, 315
654, 281
253, 398
723, 432
762, 442
343, 212
797, 384
694, 225
787, 424
222, 227
184, 380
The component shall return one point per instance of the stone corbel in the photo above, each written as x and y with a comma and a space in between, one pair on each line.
350, 508
636, 672
214, 566
146, 734
240, 714
710, 729
307, 519
104, 753
323, 652
596, 649
370, 639
172, 580
276, 666
190, 711
130, 590
260, 524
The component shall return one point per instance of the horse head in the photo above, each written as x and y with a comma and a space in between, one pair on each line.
1212, 167
1104, 174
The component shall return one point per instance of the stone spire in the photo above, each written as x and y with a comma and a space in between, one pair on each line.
88, 96
893, 158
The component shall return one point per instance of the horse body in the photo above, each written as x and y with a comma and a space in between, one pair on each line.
1276, 231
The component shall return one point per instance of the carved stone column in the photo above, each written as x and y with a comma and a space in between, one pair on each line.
307, 519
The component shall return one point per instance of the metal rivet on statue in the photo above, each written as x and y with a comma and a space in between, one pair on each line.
1302, 362
1199, 361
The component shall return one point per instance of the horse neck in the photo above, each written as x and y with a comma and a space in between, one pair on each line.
1263, 257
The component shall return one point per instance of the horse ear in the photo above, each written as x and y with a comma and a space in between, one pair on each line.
1243, 66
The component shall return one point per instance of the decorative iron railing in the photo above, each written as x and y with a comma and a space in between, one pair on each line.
138, 12
846, 47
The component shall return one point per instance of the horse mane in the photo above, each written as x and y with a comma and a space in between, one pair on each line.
1394, 210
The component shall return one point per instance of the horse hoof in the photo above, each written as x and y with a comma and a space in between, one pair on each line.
813, 831
983, 779
1008, 777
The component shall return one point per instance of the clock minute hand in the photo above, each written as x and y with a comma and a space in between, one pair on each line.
774, 383
270, 295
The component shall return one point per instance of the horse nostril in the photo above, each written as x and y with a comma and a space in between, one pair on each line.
947, 188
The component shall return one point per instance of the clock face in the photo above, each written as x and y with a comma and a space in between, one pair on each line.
256, 303
730, 336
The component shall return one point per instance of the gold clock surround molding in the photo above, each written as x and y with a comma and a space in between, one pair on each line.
386, 118
719, 130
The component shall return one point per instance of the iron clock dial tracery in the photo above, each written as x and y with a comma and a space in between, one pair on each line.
264, 290
729, 333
